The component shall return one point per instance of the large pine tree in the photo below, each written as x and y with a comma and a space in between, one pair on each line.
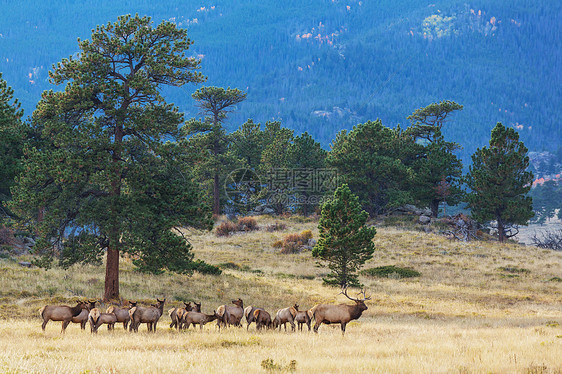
105, 176
499, 181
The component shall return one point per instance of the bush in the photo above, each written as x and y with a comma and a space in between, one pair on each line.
226, 228
205, 268
391, 271
295, 243
247, 224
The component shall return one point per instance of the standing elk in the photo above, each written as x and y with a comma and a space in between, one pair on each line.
97, 318
82, 318
303, 317
122, 315
61, 313
249, 314
150, 315
284, 316
263, 319
342, 313
198, 318
230, 315
176, 314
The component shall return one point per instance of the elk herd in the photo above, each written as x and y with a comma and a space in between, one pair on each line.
225, 315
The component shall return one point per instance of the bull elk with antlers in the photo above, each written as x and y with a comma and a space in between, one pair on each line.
342, 313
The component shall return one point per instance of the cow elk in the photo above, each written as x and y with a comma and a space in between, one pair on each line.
122, 315
198, 318
263, 319
97, 318
284, 316
82, 318
176, 314
61, 313
249, 314
303, 317
230, 315
149, 315
342, 313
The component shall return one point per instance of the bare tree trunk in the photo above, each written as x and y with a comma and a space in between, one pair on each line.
435, 208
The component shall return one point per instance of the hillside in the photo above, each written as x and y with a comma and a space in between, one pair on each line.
325, 65
477, 307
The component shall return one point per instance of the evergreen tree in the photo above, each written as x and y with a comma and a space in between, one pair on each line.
106, 178
305, 157
438, 169
345, 243
216, 102
12, 135
499, 181
370, 158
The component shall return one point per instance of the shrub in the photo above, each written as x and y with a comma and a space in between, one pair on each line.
226, 228
205, 268
295, 243
247, 224
391, 271
278, 244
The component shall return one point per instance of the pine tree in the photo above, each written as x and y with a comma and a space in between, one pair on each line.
216, 102
12, 135
499, 182
345, 242
106, 178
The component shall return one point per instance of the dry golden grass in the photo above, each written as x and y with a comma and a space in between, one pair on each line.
478, 307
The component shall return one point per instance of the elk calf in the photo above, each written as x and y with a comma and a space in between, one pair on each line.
249, 314
176, 314
61, 313
82, 318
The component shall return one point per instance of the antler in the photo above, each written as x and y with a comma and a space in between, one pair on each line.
363, 292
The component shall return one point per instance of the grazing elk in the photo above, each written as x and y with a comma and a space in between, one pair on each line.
263, 319
249, 314
230, 315
97, 318
82, 318
302, 317
342, 313
61, 313
122, 315
198, 318
284, 316
176, 314
150, 315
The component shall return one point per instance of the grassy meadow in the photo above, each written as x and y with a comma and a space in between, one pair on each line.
477, 307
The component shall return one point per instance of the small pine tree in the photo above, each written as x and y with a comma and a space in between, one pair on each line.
345, 243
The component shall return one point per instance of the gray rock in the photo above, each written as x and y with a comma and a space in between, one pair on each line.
424, 220
25, 264
268, 211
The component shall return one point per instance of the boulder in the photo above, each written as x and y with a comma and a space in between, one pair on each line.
424, 220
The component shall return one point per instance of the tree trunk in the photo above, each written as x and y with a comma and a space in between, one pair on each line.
111, 274
435, 207
216, 195
501, 230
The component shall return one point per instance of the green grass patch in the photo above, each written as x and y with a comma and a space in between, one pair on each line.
390, 271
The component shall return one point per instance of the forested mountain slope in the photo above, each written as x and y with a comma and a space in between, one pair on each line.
325, 65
